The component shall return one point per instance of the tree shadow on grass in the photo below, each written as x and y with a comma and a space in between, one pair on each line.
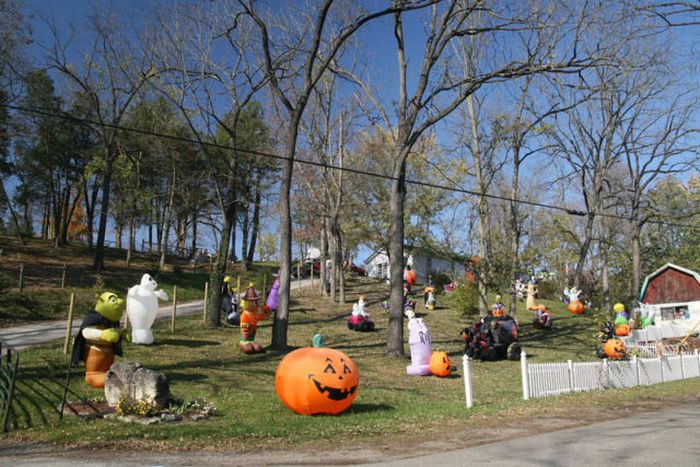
193, 343
367, 408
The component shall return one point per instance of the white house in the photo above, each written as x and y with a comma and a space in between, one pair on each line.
422, 262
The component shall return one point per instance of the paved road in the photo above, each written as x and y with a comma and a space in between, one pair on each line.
666, 438
29, 335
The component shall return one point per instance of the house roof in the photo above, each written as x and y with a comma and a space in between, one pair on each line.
662, 269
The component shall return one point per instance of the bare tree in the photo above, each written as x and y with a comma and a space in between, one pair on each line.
442, 88
295, 61
114, 70
205, 61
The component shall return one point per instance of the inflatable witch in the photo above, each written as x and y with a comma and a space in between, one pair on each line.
99, 339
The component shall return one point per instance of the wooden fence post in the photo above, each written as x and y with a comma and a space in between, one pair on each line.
21, 277
69, 324
206, 299
63, 276
172, 319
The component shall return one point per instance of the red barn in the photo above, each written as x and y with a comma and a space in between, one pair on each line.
675, 291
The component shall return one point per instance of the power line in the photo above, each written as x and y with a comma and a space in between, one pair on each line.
573, 212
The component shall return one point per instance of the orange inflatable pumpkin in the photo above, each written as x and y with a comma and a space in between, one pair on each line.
622, 329
440, 364
614, 349
316, 380
576, 308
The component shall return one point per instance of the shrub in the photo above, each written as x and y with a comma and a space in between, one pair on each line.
465, 299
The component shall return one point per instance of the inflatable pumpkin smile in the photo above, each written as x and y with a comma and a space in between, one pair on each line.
335, 394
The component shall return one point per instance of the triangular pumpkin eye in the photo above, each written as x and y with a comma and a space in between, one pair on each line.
329, 367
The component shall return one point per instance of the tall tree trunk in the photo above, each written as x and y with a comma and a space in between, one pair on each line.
216, 279
244, 233
12, 212
583, 250
132, 238
45, 219
118, 234
194, 234
483, 214
514, 230
281, 320
98, 263
636, 260
90, 202
256, 221
398, 195
605, 279
167, 219
324, 256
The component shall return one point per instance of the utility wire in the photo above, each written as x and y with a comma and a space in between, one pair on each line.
573, 212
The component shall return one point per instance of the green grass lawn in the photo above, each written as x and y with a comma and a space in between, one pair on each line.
201, 362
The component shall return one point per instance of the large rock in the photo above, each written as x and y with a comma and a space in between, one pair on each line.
130, 380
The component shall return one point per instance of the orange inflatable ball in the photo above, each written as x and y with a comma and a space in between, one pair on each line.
314, 380
622, 330
614, 349
440, 364
576, 308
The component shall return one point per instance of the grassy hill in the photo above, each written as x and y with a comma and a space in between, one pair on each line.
44, 299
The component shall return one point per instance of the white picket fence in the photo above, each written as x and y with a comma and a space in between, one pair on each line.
552, 379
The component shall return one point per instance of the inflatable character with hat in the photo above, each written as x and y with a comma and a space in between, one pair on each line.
252, 313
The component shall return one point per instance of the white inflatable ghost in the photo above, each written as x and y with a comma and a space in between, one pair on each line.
142, 307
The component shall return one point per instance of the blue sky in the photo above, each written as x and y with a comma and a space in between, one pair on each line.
377, 40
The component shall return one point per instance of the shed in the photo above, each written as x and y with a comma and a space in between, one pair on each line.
675, 293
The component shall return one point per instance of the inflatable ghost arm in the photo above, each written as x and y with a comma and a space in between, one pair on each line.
161, 294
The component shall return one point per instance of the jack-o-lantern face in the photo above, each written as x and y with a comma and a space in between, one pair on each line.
576, 308
316, 380
440, 364
614, 349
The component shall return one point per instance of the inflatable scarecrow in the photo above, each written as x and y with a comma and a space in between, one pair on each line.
142, 308
99, 339
252, 313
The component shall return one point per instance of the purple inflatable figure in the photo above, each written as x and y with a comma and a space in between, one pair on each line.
274, 294
421, 347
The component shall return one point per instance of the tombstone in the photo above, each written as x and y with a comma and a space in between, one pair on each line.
130, 380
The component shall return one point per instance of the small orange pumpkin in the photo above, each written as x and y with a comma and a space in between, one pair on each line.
314, 380
440, 364
576, 308
614, 349
622, 330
